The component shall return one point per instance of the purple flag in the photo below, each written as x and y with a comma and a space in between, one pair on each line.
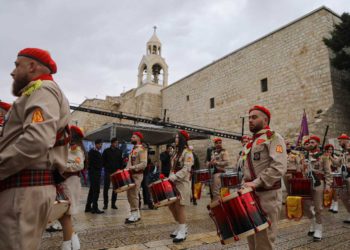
304, 129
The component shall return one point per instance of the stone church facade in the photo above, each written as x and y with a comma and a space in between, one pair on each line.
288, 71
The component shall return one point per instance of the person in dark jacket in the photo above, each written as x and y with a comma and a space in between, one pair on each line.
165, 160
94, 167
112, 161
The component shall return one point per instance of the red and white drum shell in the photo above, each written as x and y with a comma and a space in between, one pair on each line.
238, 215
230, 180
338, 181
301, 187
202, 175
122, 180
163, 192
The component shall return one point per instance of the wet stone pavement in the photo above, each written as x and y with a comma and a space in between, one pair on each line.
108, 231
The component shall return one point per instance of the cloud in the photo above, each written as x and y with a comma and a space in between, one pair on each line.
98, 44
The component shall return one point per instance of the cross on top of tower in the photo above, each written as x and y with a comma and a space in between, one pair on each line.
155, 28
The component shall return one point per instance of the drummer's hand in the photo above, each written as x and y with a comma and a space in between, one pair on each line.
172, 177
249, 184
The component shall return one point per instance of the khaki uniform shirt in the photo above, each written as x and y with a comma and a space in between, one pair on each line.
221, 159
294, 161
269, 159
138, 158
182, 176
75, 160
342, 160
322, 165
28, 136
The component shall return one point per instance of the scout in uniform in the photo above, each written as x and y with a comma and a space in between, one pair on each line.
329, 152
4, 108
137, 163
265, 164
319, 169
294, 166
219, 160
344, 163
182, 162
72, 188
33, 143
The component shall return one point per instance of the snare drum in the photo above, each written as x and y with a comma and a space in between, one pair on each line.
237, 215
338, 181
202, 175
163, 192
300, 187
122, 180
60, 206
230, 180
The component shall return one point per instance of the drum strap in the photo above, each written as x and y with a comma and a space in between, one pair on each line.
28, 178
276, 185
250, 166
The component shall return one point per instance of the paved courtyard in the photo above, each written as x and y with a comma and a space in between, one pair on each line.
108, 231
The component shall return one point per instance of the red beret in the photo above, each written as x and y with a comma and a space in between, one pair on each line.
5, 106
139, 134
185, 134
217, 140
262, 109
328, 146
42, 56
76, 132
315, 138
343, 137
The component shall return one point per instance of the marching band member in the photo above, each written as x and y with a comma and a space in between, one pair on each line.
137, 163
218, 161
344, 162
293, 165
33, 143
329, 152
4, 108
182, 162
319, 169
265, 164
72, 187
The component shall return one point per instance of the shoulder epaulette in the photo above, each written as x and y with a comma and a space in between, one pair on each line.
270, 134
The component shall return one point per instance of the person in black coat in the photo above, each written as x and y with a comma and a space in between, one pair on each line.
112, 161
165, 160
94, 167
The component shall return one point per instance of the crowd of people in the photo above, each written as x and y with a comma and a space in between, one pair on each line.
42, 156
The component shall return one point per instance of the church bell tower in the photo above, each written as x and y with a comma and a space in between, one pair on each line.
153, 69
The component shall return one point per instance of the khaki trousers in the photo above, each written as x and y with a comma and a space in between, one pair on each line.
271, 203
133, 193
317, 201
24, 214
216, 186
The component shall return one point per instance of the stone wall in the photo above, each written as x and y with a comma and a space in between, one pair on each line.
295, 62
145, 104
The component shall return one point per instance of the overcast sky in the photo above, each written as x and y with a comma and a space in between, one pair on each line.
98, 45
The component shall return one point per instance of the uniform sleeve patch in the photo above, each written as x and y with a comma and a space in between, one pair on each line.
279, 149
37, 116
189, 159
77, 160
